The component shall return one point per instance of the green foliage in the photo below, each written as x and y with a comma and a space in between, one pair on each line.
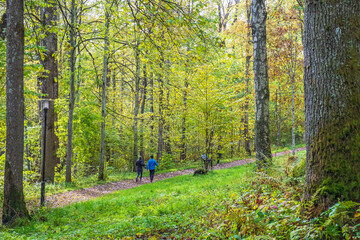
340, 221
299, 168
268, 205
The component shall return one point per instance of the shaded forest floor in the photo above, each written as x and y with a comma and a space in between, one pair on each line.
80, 195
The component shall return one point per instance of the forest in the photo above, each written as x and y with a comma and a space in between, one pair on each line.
261, 99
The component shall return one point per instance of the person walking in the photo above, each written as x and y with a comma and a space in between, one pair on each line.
151, 167
139, 168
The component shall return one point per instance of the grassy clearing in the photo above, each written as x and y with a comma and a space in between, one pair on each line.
170, 208
32, 190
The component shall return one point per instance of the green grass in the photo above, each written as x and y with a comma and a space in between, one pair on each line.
32, 190
173, 207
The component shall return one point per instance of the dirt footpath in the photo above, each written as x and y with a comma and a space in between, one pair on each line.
63, 199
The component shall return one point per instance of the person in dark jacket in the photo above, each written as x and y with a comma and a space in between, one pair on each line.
151, 167
139, 168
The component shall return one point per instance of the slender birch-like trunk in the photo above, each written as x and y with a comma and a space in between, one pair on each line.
72, 63
104, 86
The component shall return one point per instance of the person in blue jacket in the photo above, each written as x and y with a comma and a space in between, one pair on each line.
151, 167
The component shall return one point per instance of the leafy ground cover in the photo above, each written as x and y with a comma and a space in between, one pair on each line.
268, 206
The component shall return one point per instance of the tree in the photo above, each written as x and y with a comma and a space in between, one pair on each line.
332, 96
247, 68
72, 62
262, 130
49, 84
14, 204
104, 85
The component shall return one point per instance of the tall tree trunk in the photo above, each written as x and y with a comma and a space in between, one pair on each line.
247, 73
142, 111
136, 106
14, 204
161, 116
332, 97
293, 105
167, 141
232, 141
262, 129
183, 127
278, 114
104, 86
73, 14
49, 85
292, 79
151, 100
122, 99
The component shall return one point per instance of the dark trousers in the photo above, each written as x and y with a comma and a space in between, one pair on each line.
139, 173
152, 173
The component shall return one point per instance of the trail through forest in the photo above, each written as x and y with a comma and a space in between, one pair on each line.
80, 195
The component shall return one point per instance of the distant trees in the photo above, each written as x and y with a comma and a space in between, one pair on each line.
14, 204
332, 97
178, 83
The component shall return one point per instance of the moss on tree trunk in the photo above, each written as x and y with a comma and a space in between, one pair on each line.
332, 102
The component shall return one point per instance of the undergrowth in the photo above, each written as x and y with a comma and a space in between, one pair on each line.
268, 205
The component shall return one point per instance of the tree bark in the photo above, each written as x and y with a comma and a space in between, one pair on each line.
332, 97
136, 106
278, 114
292, 78
161, 116
183, 127
49, 85
142, 111
151, 100
72, 63
14, 204
247, 76
262, 129
167, 140
104, 86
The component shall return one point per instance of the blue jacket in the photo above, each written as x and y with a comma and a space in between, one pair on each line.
151, 164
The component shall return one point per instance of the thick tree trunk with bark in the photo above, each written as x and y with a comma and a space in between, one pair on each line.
72, 63
103, 97
332, 97
262, 129
49, 85
14, 204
